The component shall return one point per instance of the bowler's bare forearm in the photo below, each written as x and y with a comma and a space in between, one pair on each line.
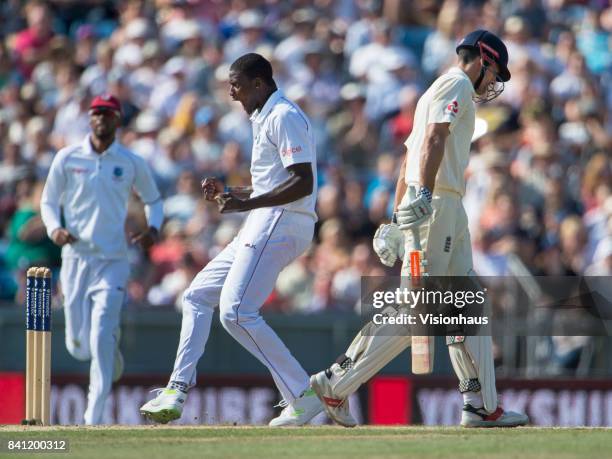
242, 192
432, 153
299, 184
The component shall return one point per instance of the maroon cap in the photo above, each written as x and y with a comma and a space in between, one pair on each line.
106, 101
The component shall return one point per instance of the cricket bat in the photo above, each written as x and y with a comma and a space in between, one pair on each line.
422, 346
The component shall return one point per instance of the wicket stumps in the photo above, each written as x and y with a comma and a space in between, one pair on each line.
38, 346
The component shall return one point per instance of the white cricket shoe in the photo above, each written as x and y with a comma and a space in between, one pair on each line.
336, 408
478, 417
166, 407
298, 412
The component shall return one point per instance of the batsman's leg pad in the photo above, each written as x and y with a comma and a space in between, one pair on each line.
472, 359
370, 351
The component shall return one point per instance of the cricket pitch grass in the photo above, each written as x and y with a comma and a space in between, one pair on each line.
151, 442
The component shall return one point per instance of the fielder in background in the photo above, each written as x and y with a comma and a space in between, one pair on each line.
278, 228
437, 155
89, 184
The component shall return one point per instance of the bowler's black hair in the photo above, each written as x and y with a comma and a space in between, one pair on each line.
253, 66
467, 55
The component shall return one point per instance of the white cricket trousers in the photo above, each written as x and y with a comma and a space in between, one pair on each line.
94, 292
239, 280
445, 237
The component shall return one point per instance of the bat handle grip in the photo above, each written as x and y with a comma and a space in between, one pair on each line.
416, 237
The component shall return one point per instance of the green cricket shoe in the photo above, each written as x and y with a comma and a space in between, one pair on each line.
300, 411
166, 406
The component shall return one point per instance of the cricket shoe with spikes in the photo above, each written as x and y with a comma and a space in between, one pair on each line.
166, 406
336, 408
478, 417
298, 412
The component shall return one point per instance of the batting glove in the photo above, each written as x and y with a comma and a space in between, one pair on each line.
413, 214
388, 244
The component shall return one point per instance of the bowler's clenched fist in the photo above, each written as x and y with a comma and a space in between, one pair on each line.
211, 186
61, 237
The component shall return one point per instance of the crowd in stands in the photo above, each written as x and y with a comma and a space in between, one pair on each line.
539, 186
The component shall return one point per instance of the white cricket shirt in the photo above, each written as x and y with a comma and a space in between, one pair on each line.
282, 136
93, 190
448, 100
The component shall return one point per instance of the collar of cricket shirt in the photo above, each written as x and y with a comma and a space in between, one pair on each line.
461, 72
259, 116
88, 149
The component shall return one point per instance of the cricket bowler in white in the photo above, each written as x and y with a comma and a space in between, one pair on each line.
278, 228
437, 155
89, 185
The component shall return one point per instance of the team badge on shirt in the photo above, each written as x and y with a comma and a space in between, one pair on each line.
453, 108
118, 173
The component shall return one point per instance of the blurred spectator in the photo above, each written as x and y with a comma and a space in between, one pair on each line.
143, 79
250, 39
128, 55
95, 77
71, 122
602, 259
290, 51
172, 285
234, 127
181, 205
359, 32
206, 145
386, 83
36, 146
396, 130
29, 244
166, 97
350, 129
13, 165
31, 44
85, 44
295, 283
571, 81
572, 240
539, 185
597, 179
175, 156
346, 284
594, 40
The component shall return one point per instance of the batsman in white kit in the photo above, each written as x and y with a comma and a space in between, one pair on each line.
278, 228
88, 187
428, 201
